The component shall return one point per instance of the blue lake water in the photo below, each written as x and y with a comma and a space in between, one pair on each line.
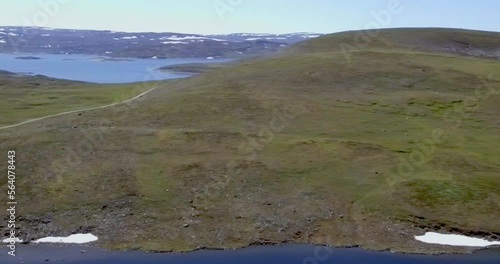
286, 254
91, 68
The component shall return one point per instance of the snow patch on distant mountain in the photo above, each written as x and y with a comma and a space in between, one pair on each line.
175, 42
191, 38
311, 36
276, 38
145, 44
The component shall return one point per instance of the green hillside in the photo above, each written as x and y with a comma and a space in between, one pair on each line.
367, 147
28, 97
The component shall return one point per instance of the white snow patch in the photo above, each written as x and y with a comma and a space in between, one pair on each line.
108, 52
190, 37
310, 36
225, 43
182, 38
252, 39
73, 239
455, 240
254, 35
13, 34
3, 41
174, 42
131, 37
210, 58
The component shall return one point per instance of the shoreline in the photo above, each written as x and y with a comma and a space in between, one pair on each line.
95, 245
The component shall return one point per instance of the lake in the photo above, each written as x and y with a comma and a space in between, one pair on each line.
285, 254
92, 68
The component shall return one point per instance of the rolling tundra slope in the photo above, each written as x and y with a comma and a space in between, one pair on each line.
366, 145
25, 98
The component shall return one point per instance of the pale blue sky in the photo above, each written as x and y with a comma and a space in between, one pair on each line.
231, 16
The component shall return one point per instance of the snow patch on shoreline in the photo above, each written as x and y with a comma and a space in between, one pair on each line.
455, 240
73, 239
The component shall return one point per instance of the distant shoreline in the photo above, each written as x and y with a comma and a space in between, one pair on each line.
193, 68
28, 58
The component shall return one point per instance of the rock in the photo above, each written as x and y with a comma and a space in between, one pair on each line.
186, 225
45, 220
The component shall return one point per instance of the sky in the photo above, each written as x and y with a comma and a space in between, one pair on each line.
250, 16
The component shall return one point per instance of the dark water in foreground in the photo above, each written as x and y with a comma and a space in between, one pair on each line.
287, 254
92, 68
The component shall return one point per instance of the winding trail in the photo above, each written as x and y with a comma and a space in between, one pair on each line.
79, 110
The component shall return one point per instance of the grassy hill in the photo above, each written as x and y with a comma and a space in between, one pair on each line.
28, 97
368, 147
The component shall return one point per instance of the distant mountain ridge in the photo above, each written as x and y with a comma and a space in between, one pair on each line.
143, 44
